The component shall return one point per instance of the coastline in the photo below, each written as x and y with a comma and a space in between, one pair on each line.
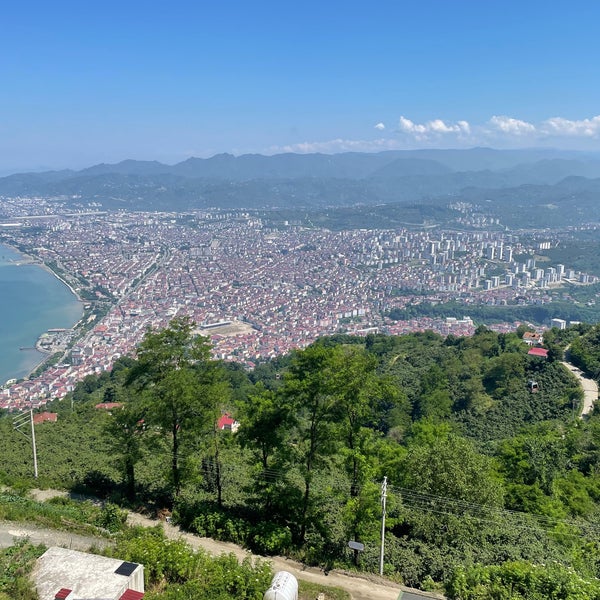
35, 261
40, 263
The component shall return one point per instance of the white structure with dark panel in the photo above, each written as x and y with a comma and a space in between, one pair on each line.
63, 574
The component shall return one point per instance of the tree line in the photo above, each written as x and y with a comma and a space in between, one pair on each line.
484, 473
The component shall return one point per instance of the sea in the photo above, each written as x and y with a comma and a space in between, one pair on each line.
32, 300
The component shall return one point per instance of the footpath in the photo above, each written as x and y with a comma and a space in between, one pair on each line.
360, 587
589, 386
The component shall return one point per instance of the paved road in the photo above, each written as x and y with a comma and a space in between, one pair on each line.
590, 389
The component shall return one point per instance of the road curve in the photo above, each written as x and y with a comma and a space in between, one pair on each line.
360, 587
589, 386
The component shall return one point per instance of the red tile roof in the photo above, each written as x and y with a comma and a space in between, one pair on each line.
226, 421
538, 352
45, 416
109, 405
131, 595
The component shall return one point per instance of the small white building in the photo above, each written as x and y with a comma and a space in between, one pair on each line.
63, 574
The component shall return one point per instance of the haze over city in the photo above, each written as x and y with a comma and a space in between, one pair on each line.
105, 82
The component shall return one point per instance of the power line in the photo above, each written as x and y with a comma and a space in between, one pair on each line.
445, 505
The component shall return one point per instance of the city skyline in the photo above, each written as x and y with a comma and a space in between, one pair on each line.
104, 83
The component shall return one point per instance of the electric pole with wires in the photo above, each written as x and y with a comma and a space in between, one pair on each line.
21, 421
383, 497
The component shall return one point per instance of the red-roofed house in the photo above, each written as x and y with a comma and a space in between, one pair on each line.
109, 405
541, 352
532, 338
44, 416
228, 422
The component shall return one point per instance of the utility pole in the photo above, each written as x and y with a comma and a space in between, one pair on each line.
19, 422
383, 497
33, 444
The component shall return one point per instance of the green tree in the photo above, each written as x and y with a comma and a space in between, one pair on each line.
535, 457
126, 429
446, 465
212, 379
265, 418
353, 384
168, 373
306, 387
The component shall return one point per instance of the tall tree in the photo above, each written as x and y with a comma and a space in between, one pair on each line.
306, 386
168, 372
354, 385
126, 429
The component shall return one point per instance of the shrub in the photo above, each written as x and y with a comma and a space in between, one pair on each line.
111, 517
270, 538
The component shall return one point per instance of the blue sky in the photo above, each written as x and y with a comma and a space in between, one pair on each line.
84, 83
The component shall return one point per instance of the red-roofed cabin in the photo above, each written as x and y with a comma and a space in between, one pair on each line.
541, 352
227, 422
109, 405
44, 416
62, 594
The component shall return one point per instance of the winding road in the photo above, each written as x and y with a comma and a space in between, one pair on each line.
360, 587
589, 386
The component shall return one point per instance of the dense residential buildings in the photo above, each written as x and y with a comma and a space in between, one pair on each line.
256, 289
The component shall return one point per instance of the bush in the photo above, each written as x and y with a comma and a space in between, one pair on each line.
219, 525
521, 580
111, 517
270, 538
16, 563
173, 568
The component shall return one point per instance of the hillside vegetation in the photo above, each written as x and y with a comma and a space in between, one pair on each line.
486, 480
521, 188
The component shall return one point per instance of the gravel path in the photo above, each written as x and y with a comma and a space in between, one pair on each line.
360, 587
590, 389
13, 532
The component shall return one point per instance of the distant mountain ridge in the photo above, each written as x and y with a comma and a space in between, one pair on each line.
319, 181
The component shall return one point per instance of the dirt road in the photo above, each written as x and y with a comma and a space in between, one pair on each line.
590, 389
359, 587
12, 532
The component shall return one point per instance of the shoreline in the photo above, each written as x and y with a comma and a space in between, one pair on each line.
35, 261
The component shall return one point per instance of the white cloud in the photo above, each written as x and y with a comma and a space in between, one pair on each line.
408, 126
436, 127
464, 126
512, 126
565, 127
499, 131
338, 145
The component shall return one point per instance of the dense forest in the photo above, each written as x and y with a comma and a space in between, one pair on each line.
493, 483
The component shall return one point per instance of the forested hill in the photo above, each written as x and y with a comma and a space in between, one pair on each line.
491, 472
535, 188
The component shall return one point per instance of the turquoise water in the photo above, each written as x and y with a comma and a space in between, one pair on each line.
32, 301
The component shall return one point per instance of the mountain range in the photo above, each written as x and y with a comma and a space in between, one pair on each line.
502, 179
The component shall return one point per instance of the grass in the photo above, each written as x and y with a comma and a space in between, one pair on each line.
310, 591
16, 563
57, 513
